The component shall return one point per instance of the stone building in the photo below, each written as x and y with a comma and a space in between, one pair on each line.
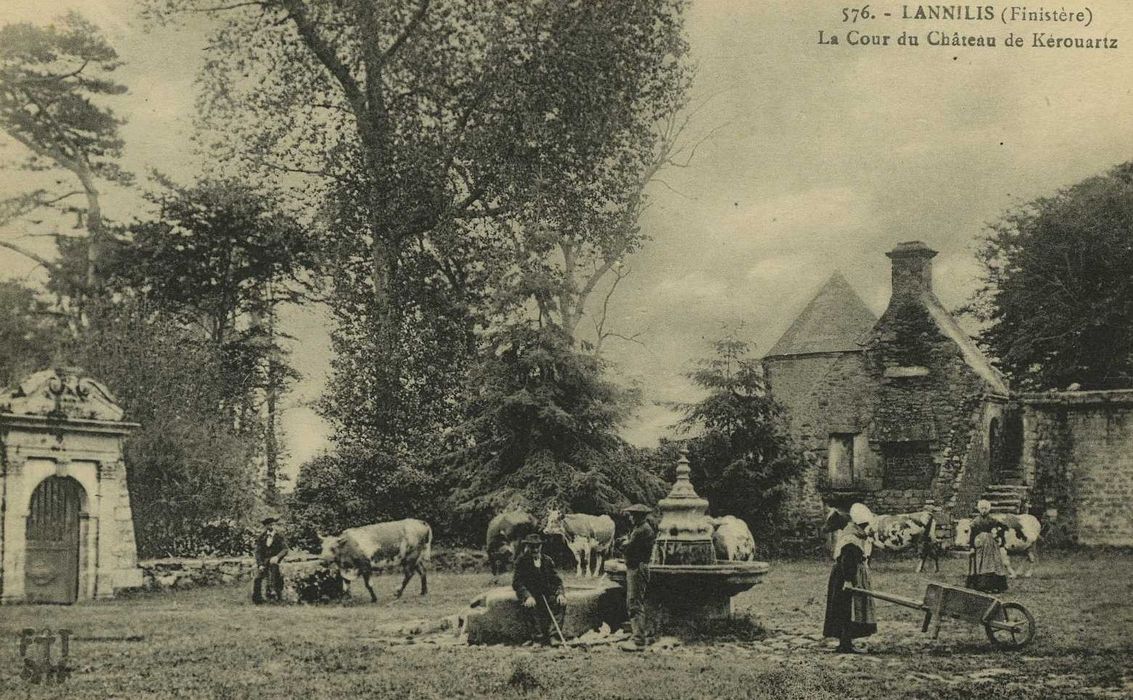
67, 531
900, 411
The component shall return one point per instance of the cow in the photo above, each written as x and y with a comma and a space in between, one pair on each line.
504, 533
903, 531
585, 535
732, 539
358, 550
1022, 537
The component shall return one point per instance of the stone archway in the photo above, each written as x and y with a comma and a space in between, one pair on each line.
54, 541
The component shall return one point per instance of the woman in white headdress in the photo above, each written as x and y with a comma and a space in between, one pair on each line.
987, 570
849, 615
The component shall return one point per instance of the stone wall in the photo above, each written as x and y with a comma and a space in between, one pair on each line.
1078, 454
185, 573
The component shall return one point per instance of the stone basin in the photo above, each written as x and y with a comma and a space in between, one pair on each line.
496, 617
694, 592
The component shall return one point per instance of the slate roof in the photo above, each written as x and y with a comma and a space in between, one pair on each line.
835, 320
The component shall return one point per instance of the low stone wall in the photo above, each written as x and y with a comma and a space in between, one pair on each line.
176, 573
179, 574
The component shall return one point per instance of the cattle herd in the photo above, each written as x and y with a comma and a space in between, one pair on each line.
919, 532
356, 552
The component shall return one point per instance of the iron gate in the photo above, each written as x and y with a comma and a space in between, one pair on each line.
52, 569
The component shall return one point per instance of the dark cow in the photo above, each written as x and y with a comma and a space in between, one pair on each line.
904, 531
359, 550
504, 533
585, 535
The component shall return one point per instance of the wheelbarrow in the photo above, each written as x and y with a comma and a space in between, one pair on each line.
1008, 625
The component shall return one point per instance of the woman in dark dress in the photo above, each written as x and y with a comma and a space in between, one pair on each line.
987, 570
849, 615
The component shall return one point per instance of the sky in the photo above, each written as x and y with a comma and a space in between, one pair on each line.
811, 158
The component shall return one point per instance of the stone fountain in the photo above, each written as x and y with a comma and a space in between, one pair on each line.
686, 582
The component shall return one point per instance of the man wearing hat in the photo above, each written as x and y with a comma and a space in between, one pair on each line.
271, 548
638, 551
539, 589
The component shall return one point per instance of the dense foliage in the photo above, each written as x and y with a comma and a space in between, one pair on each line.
542, 431
30, 332
469, 177
1057, 293
743, 460
186, 465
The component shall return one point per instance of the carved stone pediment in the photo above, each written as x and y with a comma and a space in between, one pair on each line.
63, 392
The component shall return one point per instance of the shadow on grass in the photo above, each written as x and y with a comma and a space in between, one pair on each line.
737, 628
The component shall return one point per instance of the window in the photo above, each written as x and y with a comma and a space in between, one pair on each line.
841, 465
908, 465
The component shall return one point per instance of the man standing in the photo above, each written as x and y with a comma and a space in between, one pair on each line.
638, 551
271, 548
539, 589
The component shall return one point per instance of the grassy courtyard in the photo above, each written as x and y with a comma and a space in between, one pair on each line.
214, 643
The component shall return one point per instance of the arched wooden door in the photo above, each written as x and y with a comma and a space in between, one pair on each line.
52, 565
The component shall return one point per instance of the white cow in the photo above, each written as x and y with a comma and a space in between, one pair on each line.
901, 532
585, 535
358, 550
732, 539
1021, 537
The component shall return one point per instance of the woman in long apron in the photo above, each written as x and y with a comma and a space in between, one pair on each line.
987, 570
849, 615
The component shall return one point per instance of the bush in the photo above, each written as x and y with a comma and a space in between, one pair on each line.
319, 586
222, 537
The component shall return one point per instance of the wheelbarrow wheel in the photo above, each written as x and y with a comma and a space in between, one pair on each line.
1013, 627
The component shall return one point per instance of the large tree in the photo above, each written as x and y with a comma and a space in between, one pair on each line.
186, 465
221, 257
53, 81
1057, 293
541, 430
443, 140
742, 457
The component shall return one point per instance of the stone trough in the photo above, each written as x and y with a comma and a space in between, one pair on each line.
496, 617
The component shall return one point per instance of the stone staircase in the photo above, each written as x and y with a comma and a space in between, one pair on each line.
1006, 498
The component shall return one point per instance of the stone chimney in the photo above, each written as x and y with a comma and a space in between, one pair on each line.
912, 270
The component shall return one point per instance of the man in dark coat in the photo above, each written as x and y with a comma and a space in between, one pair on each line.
638, 551
271, 548
539, 589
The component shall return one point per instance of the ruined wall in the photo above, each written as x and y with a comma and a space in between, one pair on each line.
1078, 453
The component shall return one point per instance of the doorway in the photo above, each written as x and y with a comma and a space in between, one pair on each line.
52, 566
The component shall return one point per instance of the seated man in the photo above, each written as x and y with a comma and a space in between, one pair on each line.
540, 589
271, 548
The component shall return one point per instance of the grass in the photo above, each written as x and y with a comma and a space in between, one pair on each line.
214, 643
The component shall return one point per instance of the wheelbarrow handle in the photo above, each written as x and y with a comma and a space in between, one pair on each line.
890, 598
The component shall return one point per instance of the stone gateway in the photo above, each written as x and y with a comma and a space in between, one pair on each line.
67, 532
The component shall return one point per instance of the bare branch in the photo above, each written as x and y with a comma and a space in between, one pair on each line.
221, 8
326, 55
28, 254
406, 33
298, 171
